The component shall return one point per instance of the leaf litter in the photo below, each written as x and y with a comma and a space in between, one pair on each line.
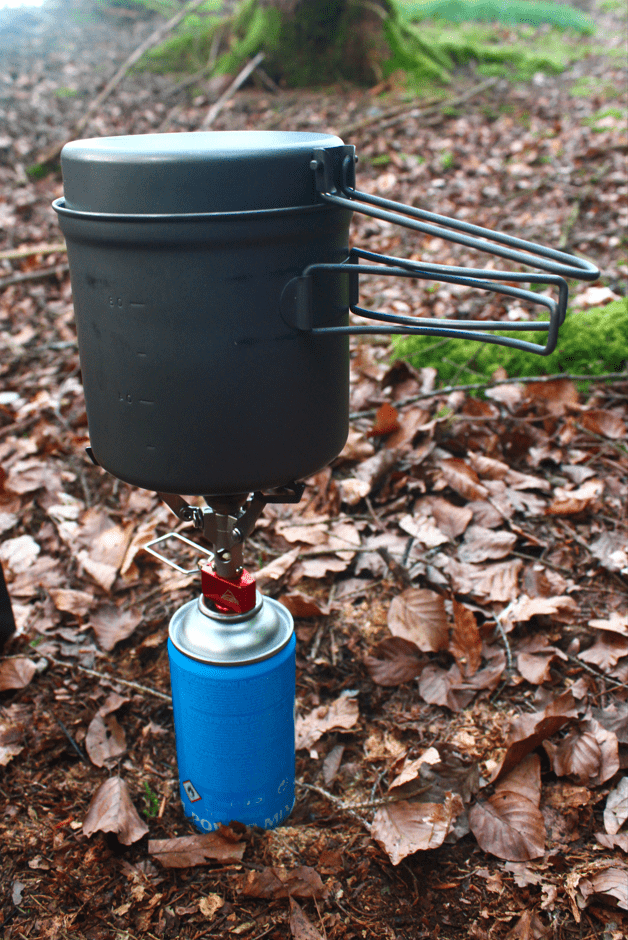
458, 578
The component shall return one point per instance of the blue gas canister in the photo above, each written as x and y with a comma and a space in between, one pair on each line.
233, 691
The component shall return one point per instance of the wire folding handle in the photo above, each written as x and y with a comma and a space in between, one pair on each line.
334, 173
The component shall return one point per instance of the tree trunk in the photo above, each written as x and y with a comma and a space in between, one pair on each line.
322, 41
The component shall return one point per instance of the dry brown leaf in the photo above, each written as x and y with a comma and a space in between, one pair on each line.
276, 569
480, 544
72, 602
616, 623
186, 851
111, 810
451, 520
535, 667
616, 809
437, 685
277, 882
606, 652
209, 905
411, 423
611, 551
528, 731
496, 582
394, 661
605, 423
422, 527
466, 643
19, 553
16, 673
356, 448
528, 927
374, 468
590, 753
302, 606
386, 421
617, 841
342, 713
612, 881
105, 739
487, 467
557, 396
103, 546
300, 927
404, 827
524, 608
353, 490
13, 722
509, 824
568, 502
419, 616
111, 625
462, 478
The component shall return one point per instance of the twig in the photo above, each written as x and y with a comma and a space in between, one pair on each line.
621, 448
523, 380
108, 678
336, 801
15, 254
71, 739
113, 83
240, 79
405, 112
400, 573
594, 672
33, 275
502, 633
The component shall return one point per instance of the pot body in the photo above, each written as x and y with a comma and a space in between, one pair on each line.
180, 247
233, 692
193, 381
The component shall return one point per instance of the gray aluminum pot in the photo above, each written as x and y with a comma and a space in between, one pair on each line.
180, 247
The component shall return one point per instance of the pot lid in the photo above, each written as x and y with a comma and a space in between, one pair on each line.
197, 172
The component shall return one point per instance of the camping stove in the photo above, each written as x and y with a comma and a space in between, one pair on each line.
232, 670
213, 281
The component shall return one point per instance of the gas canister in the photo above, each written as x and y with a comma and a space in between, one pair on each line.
233, 691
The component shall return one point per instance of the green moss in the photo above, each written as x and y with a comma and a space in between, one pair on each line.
509, 12
590, 342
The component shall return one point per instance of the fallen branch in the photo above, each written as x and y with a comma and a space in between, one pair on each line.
239, 80
33, 275
523, 380
116, 679
14, 254
396, 114
113, 83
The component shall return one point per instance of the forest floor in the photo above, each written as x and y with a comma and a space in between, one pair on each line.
458, 577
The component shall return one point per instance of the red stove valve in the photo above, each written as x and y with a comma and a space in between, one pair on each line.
230, 597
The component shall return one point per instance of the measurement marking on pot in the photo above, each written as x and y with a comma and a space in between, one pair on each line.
146, 401
136, 303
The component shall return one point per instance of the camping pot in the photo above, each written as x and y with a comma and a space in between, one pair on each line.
212, 281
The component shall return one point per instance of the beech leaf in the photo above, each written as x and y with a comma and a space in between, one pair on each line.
341, 713
223, 845
616, 809
111, 810
277, 882
405, 827
509, 826
112, 625
105, 739
16, 673
300, 926
419, 615
394, 661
